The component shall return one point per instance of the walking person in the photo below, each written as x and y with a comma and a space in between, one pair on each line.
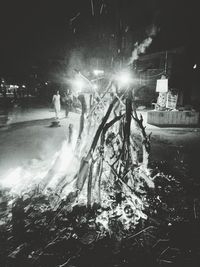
56, 104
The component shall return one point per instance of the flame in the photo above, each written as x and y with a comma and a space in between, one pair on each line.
59, 172
47, 172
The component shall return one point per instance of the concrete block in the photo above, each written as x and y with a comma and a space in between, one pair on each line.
173, 118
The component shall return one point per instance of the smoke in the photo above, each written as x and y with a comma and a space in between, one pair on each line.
76, 60
141, 48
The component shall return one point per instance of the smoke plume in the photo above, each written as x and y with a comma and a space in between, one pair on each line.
141, 48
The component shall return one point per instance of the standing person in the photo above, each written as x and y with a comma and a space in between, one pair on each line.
56, 104
81, 98
68, 104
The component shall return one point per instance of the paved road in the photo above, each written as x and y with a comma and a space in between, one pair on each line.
28, 137
31, 138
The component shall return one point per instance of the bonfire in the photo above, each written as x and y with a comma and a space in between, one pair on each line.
96, 194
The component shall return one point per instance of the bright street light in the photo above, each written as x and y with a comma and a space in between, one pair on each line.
78, 84
124, 78
98, 72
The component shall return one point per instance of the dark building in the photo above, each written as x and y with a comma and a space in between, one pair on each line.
151, 67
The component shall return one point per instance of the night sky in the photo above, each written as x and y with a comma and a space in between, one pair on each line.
32, 32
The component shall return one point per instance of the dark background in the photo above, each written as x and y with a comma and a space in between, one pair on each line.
34, 32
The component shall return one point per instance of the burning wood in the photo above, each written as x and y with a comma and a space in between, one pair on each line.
55, 235
95, 190
110, 153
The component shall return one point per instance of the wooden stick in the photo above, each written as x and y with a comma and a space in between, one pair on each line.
149, 227
84, 167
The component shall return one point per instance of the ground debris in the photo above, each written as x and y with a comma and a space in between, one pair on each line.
38, 235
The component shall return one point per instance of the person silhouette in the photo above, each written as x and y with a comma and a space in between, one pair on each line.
56, 104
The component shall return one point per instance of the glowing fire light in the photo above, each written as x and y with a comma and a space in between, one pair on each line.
47, 172
98, 72
124, 78
59, 172
78, 84
95, 86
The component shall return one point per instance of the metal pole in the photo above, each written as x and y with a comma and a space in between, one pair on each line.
166, 58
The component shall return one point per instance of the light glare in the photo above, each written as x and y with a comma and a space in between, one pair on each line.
98, 72
95, 86
78, 84
124, 78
